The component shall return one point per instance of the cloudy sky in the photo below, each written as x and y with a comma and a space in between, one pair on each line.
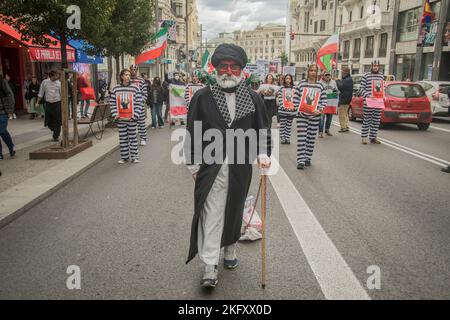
230, 15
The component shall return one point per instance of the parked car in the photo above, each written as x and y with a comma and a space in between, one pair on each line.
405, 102
437, 92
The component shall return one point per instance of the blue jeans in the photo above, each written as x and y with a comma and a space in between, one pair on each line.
86, 109
4, 134
327, 122
157, 113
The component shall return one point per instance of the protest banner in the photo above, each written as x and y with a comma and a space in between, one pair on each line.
178, 109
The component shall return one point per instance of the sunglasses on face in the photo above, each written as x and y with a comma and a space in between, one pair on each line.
234, 67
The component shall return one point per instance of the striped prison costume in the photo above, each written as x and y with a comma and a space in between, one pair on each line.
191, 88
371, 117
308, 124
287, 115
127, 129
142, 85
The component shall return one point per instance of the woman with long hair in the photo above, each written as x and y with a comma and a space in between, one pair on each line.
313, 99
288, 99
127, 106
269, 91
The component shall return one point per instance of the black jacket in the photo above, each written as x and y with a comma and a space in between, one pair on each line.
156, 93
345, 87
7, 101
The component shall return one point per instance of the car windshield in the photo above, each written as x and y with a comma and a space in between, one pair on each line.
405, 91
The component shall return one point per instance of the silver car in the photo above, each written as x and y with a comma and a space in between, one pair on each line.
437, 92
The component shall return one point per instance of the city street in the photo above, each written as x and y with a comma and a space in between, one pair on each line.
357, 209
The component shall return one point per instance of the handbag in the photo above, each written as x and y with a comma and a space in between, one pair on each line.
87, 93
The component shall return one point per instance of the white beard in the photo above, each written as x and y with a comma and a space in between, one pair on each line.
225, 81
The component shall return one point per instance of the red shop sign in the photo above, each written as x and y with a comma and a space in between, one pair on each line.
50, 54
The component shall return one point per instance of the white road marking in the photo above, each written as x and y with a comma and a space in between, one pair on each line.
334, 276
438, 128
421, 155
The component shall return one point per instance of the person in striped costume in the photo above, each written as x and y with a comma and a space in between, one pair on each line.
191, 89
288, 99
142, 85
127, 107
371, 116
313, 99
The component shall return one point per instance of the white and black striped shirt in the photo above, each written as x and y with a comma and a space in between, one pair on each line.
295, 98
318, 86
142, 85
132, 92
366, 83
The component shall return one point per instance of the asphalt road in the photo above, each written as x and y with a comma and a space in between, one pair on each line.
127, 227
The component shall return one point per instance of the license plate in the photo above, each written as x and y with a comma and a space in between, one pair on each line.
408, 115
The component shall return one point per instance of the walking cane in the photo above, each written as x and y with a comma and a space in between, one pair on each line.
263, 218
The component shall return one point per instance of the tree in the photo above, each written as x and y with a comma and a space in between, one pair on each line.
37, 18
284, 59
128, 30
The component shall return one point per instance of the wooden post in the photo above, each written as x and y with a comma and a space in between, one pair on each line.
64, 109
75, 107
263, 242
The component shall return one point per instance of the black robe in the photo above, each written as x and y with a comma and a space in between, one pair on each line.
204, 108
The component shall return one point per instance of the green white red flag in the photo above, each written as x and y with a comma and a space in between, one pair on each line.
157, 49
206, 62
326, 53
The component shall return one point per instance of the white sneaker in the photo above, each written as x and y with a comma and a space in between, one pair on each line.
122, 161
143, 143
135, 161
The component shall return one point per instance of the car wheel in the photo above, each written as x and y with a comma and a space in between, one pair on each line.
350, 114
423, 126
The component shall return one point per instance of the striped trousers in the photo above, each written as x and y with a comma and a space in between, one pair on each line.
128, 140
142, 127
285, 128
307, 128
371, 122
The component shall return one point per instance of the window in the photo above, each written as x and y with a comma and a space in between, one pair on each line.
357, 48
340, 19
267, 50
383, 45
322, 25
280, 41
324, 5
306, 26
316, 4
315, 26
361, 13
350, 14
178, 10
346, 49
405, 91
408, 23
369, 47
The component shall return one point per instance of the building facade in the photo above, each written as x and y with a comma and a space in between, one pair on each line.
365, 29
265, 42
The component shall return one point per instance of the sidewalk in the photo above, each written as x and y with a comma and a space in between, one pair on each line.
24, 182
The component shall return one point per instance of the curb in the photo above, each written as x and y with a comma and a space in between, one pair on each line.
17, 200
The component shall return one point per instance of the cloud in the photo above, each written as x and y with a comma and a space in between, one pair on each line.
229, 15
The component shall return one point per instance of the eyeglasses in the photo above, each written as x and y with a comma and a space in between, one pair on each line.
224, 67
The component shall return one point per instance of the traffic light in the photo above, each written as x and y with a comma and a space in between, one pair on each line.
292, 35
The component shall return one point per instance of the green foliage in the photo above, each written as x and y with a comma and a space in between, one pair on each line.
129, 27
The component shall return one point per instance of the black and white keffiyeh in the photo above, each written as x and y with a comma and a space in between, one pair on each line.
244, 102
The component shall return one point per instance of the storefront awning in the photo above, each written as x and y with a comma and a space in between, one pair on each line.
82, 56
52, 53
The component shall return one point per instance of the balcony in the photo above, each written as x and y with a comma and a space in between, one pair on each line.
367, 24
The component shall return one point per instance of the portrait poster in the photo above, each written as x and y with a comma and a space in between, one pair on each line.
377, 89
310, 100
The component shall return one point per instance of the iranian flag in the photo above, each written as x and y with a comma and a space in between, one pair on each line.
157, 49
206, 62
329, 49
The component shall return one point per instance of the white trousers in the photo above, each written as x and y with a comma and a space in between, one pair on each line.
211, 223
